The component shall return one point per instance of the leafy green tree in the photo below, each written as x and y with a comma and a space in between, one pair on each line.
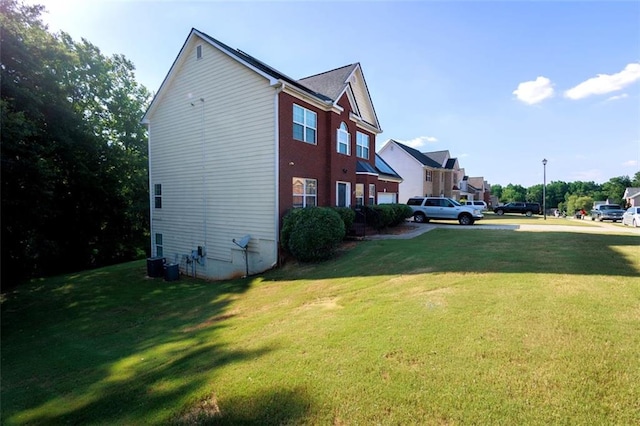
73, 153
555, 193
635, 182
534, 194
513, 193
579, 202
496, 190
615, 187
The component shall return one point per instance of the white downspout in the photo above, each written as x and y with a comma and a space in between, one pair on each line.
276, 215
151, 189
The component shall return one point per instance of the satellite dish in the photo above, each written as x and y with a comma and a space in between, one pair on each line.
243, 242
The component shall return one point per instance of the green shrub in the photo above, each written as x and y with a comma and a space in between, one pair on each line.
347, 215
386, 215
312, 233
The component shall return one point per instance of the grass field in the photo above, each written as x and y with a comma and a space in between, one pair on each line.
452, 327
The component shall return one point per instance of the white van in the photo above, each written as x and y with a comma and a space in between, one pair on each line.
479, 204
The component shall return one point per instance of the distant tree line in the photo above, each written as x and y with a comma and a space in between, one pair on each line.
568, 196
73, 151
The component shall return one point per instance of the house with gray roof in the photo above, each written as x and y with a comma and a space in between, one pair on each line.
433, 173
234, 144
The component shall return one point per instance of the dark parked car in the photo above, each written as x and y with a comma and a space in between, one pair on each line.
528, 209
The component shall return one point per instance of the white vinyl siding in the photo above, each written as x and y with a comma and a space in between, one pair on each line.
362, 98
212, 145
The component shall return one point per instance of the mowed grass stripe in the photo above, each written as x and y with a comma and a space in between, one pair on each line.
455, 326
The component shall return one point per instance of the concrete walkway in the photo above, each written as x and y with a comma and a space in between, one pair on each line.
597, 228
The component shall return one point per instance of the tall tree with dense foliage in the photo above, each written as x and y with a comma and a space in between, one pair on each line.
74, 175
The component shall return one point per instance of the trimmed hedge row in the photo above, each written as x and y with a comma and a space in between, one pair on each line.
387, 215
314, 233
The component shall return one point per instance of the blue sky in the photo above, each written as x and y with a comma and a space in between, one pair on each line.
501, 85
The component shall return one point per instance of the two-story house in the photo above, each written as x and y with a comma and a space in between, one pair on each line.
424, 173
234, 144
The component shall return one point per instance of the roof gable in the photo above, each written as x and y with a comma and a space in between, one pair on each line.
271, 74
350, 80
631, 192
419, 156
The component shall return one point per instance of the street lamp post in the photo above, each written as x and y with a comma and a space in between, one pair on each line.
544, 188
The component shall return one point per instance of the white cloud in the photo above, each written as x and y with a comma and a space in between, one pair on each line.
533, 92
419, 141
617, 97
605, 83
630, 163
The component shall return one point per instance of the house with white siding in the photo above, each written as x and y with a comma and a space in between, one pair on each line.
234, 144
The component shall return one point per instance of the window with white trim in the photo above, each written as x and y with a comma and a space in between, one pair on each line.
157, 194
429, 176
304, 124
344, 140
372, 194
159, 245
362, 145
304, 192
359, 194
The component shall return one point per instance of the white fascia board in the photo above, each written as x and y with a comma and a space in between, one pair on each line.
390, 179
364, 125
309, 98
368, 173
377, 123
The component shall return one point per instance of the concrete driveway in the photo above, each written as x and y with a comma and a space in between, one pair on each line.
415, 229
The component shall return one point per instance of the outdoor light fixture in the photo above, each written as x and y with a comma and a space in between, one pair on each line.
544, 188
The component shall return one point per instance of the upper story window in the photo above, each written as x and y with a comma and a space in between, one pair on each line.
157, 193
344, 140
429, 176
304, 124
362, 145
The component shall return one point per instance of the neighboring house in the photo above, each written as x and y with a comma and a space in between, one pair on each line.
428, 174
482, 190
234, 144
631, 197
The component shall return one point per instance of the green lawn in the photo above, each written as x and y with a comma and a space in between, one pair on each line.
456, 326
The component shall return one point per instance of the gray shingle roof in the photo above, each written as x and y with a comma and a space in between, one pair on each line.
330, 83
425, 160
264, 67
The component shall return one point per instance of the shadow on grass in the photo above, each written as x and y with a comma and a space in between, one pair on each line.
479, 251
111, 346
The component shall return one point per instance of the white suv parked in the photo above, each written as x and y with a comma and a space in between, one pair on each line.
439, 208
478, 204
